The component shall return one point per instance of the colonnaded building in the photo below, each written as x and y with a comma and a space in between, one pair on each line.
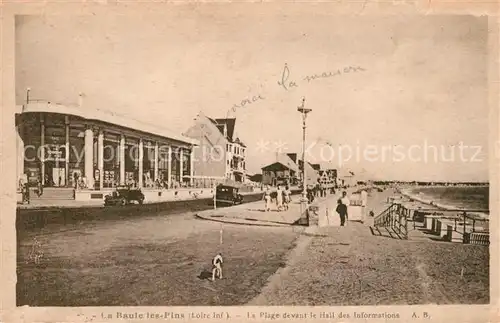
92, 151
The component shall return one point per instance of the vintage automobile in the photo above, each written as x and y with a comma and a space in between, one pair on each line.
124, 196
228, 194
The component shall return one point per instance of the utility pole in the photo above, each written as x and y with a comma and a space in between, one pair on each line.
304, 112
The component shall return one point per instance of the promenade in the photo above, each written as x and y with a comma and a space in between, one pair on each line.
350, 266
254, 213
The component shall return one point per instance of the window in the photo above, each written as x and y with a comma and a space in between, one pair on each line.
163, 163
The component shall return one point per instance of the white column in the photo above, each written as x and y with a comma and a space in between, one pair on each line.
191, 164
169, 166
89, 157
67, 174
42, 149
181, 170
141, 156
122, 160
156, 161
20, 151
100, 157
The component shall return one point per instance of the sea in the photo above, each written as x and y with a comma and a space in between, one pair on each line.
470, 197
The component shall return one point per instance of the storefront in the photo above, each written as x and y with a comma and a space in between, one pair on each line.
69, 147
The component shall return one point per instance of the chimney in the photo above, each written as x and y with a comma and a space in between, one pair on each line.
80, 99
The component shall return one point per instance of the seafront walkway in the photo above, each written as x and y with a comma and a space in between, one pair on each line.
349, 265
254, 213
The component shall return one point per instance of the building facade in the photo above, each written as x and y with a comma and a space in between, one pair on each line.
83, 148
287, 169
282, 171
346, 178
220, 154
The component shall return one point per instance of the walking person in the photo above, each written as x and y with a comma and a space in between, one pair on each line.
279, 198
286, 198
289, 194
75, 179
267, 199
310, 195
39, 185
342, 211
364, 201
26, 193
345, 201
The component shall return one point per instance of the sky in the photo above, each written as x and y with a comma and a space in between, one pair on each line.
406, 83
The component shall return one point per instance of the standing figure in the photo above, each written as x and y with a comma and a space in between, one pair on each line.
26, 193
75, 179
342, 211
364, 201
345, 200
286, 198
310, 195
39, 185
279, 198
267, 198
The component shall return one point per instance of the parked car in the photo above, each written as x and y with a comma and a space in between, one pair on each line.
228, 194
124, 196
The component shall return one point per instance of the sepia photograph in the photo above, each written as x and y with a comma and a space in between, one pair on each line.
252, 158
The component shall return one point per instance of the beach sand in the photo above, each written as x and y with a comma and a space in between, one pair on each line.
350, 266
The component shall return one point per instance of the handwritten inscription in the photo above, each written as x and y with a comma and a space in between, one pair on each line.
286, 83
345, 70
246, 102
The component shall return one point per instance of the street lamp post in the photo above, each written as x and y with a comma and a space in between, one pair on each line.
303, 201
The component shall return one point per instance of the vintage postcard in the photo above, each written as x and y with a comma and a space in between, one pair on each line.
249, 162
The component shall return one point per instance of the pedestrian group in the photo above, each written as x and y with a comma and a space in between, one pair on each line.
282, 196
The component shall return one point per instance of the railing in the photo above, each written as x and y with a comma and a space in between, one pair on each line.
466, 223
395, 217
463, 220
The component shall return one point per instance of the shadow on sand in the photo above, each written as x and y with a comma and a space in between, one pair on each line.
205, 275
385, 232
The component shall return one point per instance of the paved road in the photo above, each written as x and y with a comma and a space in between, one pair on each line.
37, 221
151, 260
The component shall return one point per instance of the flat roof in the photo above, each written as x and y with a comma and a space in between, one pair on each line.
99, 115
